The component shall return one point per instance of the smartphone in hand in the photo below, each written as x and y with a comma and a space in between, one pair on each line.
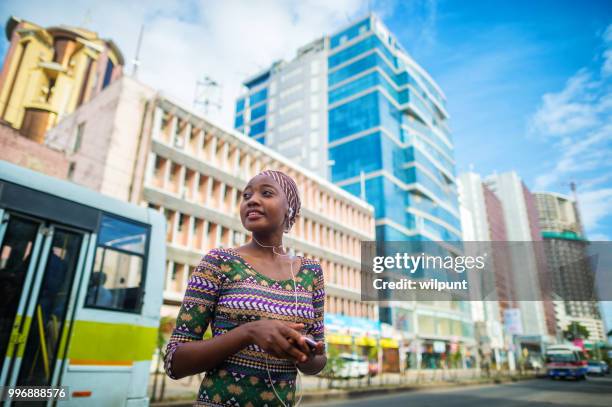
311, 343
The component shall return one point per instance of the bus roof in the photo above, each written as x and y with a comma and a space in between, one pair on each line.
72, 192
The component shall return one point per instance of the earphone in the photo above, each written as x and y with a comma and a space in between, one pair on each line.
298, 377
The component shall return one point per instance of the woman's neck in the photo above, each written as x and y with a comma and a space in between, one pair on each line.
267, 245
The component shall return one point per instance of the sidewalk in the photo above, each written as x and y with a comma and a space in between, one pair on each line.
183, 392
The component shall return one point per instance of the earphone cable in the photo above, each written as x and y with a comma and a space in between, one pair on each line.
298, 376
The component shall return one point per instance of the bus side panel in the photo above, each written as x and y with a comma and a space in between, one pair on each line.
140, 379
108, 387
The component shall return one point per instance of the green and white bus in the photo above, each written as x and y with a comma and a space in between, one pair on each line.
81, 281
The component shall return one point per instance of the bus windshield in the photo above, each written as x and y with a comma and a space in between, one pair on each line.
560, 357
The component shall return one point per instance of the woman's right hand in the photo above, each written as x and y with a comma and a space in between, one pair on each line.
273, 336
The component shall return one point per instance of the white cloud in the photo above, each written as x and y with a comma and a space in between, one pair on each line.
594, 205
578, 120
227, 40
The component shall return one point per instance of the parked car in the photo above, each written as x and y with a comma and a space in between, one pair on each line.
606, 367
595, 367
353, 366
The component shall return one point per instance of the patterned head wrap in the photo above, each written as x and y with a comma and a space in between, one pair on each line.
290, 189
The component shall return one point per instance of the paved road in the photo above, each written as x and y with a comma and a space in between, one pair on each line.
593, 392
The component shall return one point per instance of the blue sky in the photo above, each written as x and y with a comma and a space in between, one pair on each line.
528, 83
505, 67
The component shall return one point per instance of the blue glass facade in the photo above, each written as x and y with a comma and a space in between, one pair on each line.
251, 110
388, 120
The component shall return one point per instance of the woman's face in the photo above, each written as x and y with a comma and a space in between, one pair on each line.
263, 208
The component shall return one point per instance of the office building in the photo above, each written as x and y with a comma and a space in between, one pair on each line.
523, 233
566, 248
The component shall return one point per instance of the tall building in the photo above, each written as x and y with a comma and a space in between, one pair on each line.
355, 107
567, 258
285, 107
134, 144
523, 233
482, 221
49, 72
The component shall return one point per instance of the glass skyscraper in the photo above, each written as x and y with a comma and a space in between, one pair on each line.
379, 125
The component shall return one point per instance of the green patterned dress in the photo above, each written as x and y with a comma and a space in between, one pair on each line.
226, 291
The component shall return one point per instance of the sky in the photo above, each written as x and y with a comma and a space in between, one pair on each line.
527, 83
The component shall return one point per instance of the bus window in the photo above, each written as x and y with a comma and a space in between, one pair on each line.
117, 278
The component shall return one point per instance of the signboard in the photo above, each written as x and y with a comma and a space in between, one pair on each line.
512, 321
439, 347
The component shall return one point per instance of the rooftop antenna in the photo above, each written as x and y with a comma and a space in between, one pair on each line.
207, 89
136, 61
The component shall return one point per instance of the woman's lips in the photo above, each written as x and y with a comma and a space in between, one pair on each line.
254, 215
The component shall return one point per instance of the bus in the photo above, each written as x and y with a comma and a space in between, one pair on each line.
81, 282
566, 361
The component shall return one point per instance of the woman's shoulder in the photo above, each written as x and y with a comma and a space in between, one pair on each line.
218, 255
312, 264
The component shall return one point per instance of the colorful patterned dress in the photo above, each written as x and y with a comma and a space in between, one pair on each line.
226, 291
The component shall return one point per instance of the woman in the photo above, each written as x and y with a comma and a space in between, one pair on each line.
261, 302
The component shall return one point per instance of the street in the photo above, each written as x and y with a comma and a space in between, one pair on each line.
595, 391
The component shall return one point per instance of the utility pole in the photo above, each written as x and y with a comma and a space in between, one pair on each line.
136, 61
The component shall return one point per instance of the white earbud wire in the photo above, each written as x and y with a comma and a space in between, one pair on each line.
298, 376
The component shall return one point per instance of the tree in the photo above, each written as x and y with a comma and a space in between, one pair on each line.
575, 331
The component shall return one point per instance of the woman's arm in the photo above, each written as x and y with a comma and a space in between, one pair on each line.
270, 335
198, 356
317, 360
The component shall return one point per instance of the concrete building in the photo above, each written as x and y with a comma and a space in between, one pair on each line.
522, 228
573, 279
594, 326
49, 72
138, 145
482, 221
17, 149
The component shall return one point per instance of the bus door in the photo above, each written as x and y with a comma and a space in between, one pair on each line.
39, 263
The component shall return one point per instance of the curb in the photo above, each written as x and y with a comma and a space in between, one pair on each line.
348, 394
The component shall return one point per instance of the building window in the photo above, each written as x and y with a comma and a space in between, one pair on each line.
78, 139
108, 74
71, 169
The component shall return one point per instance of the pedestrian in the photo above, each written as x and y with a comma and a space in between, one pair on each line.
261, 304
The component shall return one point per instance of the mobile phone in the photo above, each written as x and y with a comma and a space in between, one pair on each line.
311, 344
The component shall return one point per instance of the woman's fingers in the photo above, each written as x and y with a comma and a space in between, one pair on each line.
289, 349
320, 349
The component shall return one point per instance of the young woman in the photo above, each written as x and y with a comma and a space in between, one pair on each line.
262, 303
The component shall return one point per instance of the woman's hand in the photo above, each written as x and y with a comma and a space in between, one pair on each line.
318, 350
316, 359
279, 338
